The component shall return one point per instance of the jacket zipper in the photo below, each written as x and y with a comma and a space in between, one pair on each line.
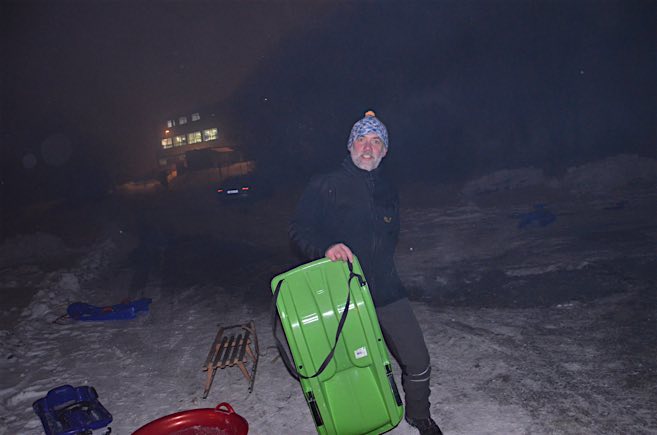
370, 185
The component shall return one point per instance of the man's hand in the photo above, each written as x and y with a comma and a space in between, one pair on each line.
339, 252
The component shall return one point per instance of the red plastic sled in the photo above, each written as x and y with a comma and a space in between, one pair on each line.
223, 419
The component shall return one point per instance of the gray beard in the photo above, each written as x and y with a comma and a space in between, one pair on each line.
366, 165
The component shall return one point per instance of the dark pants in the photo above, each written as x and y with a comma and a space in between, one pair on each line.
404, 338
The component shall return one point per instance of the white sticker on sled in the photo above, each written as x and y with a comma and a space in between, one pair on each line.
361, 352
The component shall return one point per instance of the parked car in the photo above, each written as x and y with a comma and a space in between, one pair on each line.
243, 187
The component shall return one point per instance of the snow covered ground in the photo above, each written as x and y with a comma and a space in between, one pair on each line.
532, 329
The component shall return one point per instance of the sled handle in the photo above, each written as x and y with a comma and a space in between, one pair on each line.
229, 409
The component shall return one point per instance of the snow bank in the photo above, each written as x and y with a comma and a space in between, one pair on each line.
611, 173
61, 287
58, 290
598, 177
507, 179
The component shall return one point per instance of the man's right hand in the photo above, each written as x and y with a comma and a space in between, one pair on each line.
339, 252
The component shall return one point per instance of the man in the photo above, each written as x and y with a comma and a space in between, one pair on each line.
355, 210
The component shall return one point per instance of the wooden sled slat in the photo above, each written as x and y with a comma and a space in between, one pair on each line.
230, 348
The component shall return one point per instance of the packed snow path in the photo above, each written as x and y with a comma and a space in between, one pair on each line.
540, 330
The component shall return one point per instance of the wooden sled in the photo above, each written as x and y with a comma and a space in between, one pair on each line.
233, 347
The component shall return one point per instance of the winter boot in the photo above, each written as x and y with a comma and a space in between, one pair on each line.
426, 426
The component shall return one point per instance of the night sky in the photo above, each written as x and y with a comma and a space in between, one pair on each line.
465, 87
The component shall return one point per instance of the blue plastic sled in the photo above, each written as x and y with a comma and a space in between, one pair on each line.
86, 312
541, 216
71, 411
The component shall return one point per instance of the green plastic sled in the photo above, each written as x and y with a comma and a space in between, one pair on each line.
354, 392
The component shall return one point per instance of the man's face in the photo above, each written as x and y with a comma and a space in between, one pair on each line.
367, 151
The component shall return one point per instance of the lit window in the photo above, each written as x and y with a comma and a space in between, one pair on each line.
182, 120
194, 137
196, 116
171, 123
179, 140
167, 143
209, 134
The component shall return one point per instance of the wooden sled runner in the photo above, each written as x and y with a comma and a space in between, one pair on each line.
233, 347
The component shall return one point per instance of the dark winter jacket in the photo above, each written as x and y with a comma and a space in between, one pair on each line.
361, 210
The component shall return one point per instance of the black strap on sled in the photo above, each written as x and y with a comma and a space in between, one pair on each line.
281, 349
